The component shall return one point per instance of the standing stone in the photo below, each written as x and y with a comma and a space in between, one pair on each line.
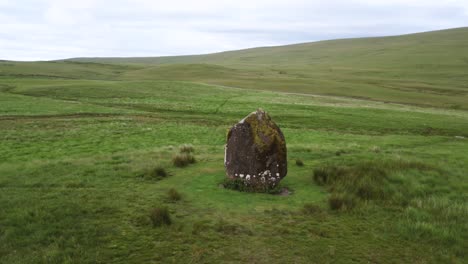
255, 152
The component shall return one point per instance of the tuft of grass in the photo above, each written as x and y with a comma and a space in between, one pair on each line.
435, 218
186, 148
159, 172
200, 227
311, 209
278, 211
173, 195
183, 160
339, 152
226, 228
341, 201
160, 216
156, 173
375, 149
365, 181
299, 162
329, 173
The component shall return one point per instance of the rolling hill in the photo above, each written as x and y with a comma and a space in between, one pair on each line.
443, 46
425, 69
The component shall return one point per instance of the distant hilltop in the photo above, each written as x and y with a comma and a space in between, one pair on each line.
441, 46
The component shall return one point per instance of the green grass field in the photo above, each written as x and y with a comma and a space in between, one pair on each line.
384, 145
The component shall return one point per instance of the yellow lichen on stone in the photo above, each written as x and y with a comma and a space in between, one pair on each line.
261, 124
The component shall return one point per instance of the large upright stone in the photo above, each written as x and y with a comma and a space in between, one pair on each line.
255, 152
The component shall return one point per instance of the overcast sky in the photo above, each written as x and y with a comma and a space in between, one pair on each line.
56, 29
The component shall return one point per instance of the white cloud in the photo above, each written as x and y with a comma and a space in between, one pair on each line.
53, 29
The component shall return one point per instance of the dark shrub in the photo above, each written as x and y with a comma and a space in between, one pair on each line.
299, 162
160, 216
174, 195
183, 159
186, 149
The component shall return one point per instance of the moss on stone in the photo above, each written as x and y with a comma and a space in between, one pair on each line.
265, 126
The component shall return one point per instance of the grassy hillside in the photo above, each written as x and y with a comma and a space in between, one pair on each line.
442, 47
427, 69
87, 148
